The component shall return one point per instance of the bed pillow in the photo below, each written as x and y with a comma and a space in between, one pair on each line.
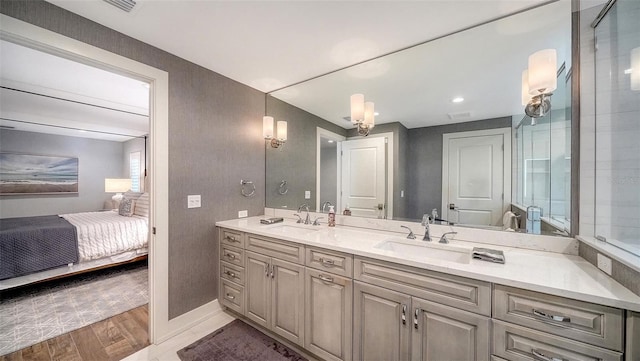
132, 195
126, 207
142, 206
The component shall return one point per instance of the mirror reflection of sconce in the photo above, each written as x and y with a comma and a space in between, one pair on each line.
635, 69
539, 80
277, 139
283, 189
362, 114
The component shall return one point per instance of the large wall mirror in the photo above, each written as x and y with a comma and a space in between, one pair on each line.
450, 138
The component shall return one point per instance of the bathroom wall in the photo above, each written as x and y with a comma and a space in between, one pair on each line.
215, 127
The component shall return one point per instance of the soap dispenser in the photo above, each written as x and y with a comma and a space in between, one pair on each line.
332, 217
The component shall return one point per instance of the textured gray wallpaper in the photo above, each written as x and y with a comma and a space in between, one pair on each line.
97, 160
215, 127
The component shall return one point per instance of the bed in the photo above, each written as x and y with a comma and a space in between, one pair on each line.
35, 244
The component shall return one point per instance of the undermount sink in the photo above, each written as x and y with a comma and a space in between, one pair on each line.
421, 249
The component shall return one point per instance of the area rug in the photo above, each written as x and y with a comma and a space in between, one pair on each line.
238, 341
32, 314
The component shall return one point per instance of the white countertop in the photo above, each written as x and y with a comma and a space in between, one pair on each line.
553, 273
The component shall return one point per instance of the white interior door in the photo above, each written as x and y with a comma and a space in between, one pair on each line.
363, 176
474, 181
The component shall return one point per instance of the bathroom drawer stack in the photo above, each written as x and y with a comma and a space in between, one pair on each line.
232, 271
529, 325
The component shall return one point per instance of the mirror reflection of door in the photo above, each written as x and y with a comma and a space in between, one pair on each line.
328, 169
364, 177
475, 182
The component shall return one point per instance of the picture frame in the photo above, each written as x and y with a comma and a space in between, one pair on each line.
27, 174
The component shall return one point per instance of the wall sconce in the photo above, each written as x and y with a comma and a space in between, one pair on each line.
268, 133
538, 82
362, 114
635, 69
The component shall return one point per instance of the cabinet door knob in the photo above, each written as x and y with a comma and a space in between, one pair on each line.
404, 314
547, 316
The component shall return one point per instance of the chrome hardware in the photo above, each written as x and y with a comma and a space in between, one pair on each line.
415, 318
601, 239
404, 314
243, 183
231, 239
266, 270
230, 274
551, 317
410, 235
283, 189
272, 268
426, 220
324, 205
306, 208
540, 356
327, 262
229, 255
230, 296
299, 218
326, 278
444, 238
316, 222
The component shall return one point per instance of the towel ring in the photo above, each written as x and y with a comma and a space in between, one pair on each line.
244, 183
283, 189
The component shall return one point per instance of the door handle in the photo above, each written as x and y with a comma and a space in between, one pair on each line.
452, 206
230, 274
415, 318
326, 278
404, 314
551, 317
230, 256
540, 356
266, 270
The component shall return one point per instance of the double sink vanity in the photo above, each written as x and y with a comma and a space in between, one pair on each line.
352, 293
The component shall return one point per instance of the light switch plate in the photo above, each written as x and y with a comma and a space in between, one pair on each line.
243, 214
604, 263
194, 201
307, 194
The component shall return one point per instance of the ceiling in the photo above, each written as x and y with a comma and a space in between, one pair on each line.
271, 44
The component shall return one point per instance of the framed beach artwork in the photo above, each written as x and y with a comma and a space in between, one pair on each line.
37, 174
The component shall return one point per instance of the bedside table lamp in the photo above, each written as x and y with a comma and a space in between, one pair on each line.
118, 186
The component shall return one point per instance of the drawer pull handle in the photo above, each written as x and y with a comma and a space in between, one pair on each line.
266, 270
230, 256
415, 318
404, 314
230, 296
540, 356
327, 262
326, 278
551, 317
231, 239
230, 274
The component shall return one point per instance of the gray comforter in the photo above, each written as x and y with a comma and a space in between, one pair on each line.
32, 244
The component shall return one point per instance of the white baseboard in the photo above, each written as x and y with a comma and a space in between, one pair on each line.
190, 319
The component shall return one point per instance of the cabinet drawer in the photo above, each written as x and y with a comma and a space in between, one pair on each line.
330, 261
283, 250
232, 255
517, 343
586, 322
231, 238
232, 296
232, 273
454, 291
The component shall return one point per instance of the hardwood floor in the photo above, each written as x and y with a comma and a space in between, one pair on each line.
112, 339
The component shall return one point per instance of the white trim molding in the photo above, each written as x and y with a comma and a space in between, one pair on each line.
321, 132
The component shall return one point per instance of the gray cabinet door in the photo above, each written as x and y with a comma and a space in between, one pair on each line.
328, 311
287, 300
382, 324
258, 288
445, 333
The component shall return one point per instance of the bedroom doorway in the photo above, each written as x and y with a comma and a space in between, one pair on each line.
18, 33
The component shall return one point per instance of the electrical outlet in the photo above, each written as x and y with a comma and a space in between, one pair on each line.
243, 214
307, 194
194, 201
604, 263
402, 194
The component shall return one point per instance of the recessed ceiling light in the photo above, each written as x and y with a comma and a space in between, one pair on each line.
376, 114
457, 100
330, 141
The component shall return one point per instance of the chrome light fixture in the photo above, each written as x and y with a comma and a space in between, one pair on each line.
538, 83
280, 136
362, 114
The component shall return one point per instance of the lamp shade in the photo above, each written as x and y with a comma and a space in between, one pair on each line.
267, 127
525, 88
282, 130
117, 185
369, 114
543, 70
635, 69
357, 108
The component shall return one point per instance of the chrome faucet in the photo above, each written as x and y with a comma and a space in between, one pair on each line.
444, 238
410, 235
325, 204
306, 208
426, 220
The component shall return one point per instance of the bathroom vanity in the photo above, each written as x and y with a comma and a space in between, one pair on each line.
348, 293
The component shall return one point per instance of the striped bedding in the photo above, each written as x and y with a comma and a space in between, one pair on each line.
102, 234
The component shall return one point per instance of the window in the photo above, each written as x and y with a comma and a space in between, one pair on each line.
135, 171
